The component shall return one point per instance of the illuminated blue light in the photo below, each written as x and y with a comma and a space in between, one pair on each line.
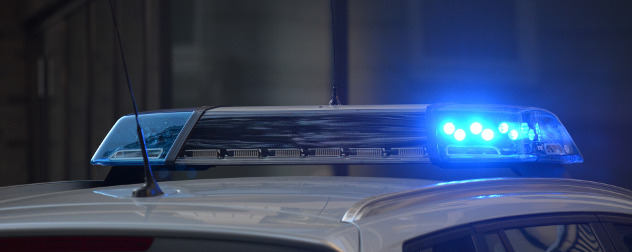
459, 135
476, 128
513, 134
487, 134
524, 128
503, 128
448, 128
491, 133
531, 134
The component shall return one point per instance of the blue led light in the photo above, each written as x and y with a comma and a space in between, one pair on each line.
487, 134
476, 128
476, 133
503, 127
524, 128
513, 134
448, 128
531, 134
459, 135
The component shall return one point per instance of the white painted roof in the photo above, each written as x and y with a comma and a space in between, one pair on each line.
309, 210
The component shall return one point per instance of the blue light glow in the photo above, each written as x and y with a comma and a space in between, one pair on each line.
476, 128
459, 135
531, 134
448, 128
513, 134
503, 128
495, 133
487, 134
524, 128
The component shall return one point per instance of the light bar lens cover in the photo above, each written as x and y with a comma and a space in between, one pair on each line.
492, 133
121, 147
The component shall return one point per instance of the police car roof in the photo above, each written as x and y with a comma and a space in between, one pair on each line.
323, 211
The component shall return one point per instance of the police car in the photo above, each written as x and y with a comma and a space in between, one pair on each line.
326, 213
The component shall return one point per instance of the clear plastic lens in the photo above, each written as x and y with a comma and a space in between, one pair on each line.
459, 135
448, 128
487, 134
476, 128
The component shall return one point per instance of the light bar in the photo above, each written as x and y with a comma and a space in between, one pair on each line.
121, 147
439, 134
489, 133
307, 135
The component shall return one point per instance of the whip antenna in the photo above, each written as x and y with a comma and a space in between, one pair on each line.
150, 188
334, 92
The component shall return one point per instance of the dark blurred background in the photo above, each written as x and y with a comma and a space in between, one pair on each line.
62, 85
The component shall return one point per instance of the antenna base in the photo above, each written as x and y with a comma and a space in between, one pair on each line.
147, 190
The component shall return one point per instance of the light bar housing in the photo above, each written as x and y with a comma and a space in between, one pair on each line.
370, 134
493, 133
307, 135
161, 130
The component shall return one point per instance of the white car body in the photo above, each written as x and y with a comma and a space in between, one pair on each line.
322, 213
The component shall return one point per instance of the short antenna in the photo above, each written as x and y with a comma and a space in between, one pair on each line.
150, 188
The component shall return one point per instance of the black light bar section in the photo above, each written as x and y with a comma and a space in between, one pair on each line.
300, 135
